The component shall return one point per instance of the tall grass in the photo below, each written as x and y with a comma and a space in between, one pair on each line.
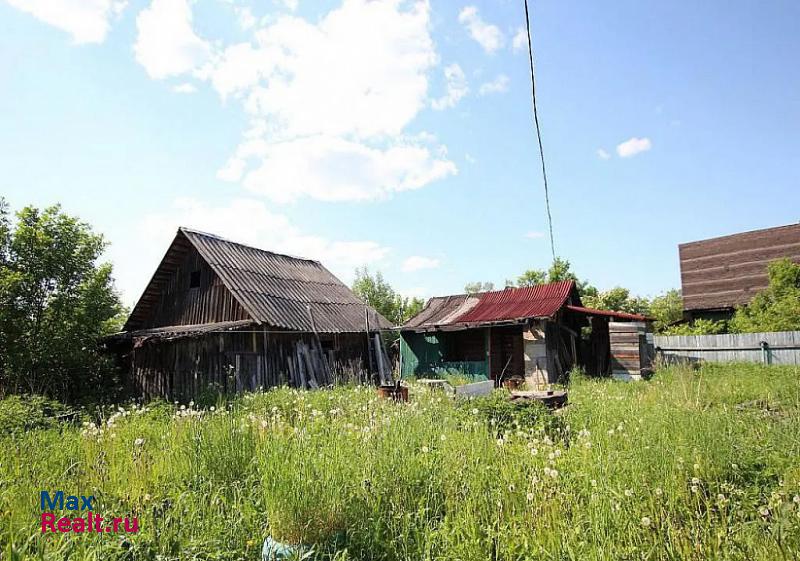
691, 465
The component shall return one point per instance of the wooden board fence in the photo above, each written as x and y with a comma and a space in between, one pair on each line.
769, 348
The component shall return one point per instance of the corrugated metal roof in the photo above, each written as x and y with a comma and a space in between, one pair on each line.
441, 310
540, 301
607, 313
278, 290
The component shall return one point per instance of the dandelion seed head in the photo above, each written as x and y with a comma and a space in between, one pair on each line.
646, 522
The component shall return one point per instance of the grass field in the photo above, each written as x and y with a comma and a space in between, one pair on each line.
691, 465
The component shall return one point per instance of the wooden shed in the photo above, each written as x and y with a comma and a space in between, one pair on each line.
719, 274
225, 317
536, 333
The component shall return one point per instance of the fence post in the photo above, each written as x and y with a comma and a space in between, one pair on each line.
766, 353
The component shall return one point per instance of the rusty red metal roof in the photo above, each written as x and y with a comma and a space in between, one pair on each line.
607, 313
541, 301
511, 304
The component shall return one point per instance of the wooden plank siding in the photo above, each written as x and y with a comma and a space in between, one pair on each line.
725, 272
232, 362
180, 304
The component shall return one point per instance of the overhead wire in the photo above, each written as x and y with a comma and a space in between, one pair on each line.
539, 133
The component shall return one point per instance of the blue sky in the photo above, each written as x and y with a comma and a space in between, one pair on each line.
398, 134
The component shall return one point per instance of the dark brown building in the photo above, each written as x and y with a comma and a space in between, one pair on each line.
220, 316
721, 273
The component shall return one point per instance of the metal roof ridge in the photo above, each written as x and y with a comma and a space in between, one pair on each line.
185, 229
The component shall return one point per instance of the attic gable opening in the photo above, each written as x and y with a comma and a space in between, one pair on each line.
194, 279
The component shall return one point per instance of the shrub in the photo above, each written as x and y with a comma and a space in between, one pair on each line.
503, 414
23, 413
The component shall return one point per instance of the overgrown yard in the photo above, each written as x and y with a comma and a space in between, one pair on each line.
690, 465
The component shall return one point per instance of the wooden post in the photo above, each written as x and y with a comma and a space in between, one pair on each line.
369, 342
488, 336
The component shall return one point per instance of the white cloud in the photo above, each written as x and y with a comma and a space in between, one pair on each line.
290, 4
418, 263
520, 40
88, 21
330, 168
488, 35
243, 220
456, 88
532, 235
329, 102
186, 88
166, 44
498, 85
361, 70
245, 16
415, 292
602, 154
633, 146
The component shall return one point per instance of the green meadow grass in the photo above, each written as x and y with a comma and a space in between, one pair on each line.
698, 464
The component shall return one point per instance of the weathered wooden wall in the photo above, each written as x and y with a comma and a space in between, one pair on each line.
631, 350
782, 347
233, 362
729, 271
180, 304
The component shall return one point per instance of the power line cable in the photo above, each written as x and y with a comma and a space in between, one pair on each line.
539, 133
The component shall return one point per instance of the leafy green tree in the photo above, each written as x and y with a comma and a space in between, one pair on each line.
666, 309
377, 293
56, 302
777, 307
476, 287
698, 327
560, 270
617, 299
532, 277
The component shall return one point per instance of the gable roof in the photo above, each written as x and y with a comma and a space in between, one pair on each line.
274, 289
501, 306
511, 304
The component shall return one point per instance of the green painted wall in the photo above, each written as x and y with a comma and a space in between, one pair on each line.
422, 355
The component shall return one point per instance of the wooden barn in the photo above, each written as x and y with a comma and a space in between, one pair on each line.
721, 273
533, 333
221, 316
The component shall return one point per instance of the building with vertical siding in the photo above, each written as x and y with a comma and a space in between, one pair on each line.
225, 317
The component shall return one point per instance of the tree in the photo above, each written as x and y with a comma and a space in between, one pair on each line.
777, 307
666, 309
56, 302
476, 287
698, 327
377, 293
532, 277
617, 299
560, 270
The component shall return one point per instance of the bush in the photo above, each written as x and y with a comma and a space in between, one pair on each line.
505, 415
23, 413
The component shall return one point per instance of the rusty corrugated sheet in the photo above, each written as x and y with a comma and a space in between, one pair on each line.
540, 301
607, 313
489, 307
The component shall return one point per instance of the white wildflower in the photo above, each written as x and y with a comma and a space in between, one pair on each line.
646, 522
